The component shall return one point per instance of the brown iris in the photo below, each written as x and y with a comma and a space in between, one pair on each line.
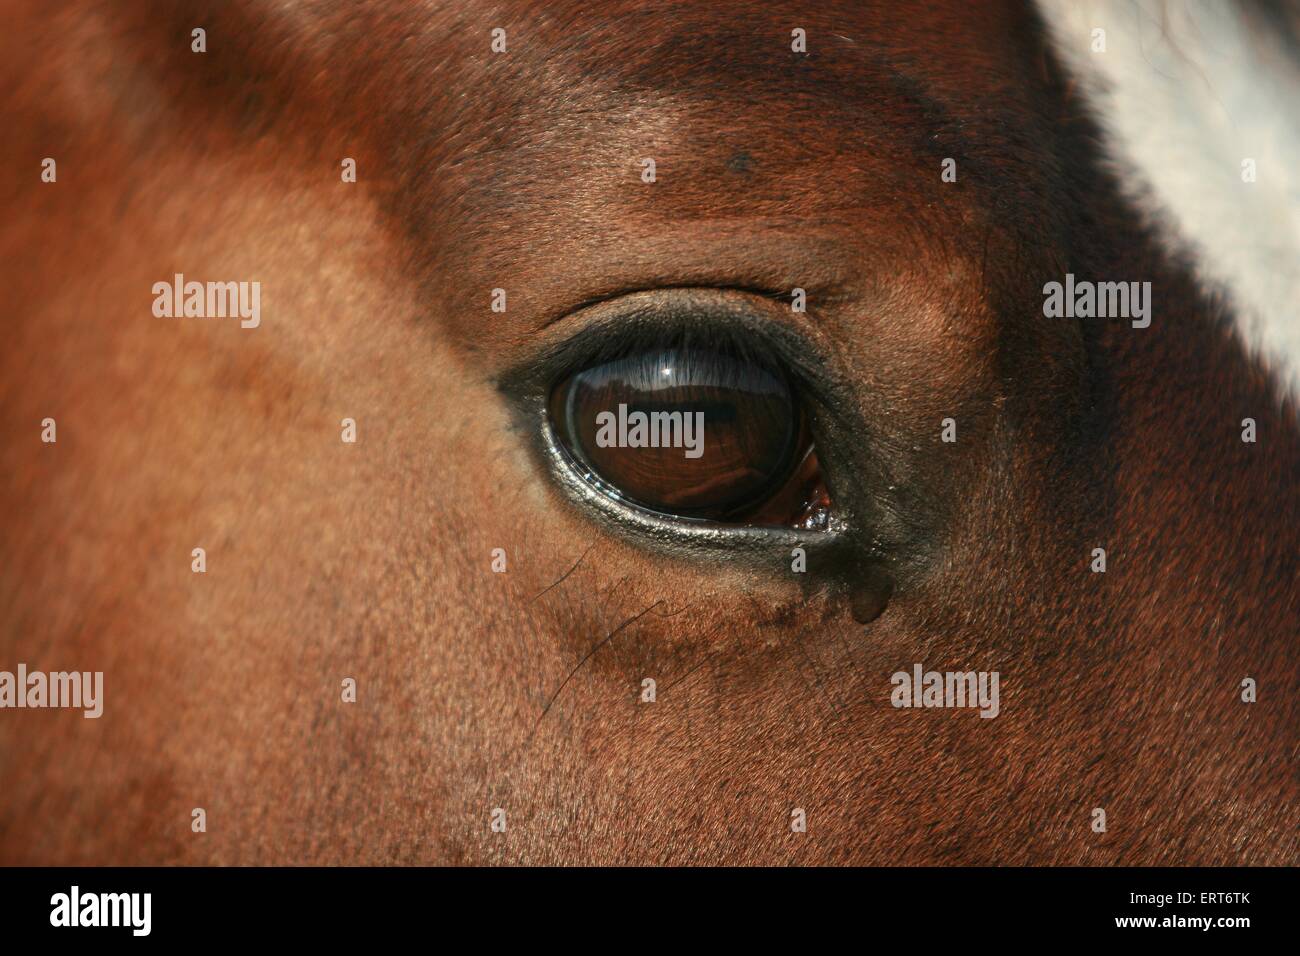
689, 432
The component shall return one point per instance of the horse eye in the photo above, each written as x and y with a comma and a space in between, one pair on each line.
693, 433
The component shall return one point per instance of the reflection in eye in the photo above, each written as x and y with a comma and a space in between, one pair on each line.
693, 433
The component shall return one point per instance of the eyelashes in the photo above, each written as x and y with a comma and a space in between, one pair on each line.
709, 431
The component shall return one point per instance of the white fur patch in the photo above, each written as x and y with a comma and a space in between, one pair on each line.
1185, 93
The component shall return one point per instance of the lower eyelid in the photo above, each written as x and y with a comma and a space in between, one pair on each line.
753, 544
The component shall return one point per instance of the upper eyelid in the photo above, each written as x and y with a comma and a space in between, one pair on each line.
648, 318
765, 292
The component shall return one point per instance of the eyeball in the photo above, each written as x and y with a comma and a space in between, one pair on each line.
697, 434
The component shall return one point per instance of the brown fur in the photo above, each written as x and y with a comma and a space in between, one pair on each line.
371, 560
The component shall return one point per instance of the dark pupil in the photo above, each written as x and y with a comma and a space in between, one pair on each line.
727, 429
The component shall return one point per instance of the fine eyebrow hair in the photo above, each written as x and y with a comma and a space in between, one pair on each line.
543, 138
581, 87
694, 62
608, 69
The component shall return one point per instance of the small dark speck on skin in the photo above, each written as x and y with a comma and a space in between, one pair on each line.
741, 162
